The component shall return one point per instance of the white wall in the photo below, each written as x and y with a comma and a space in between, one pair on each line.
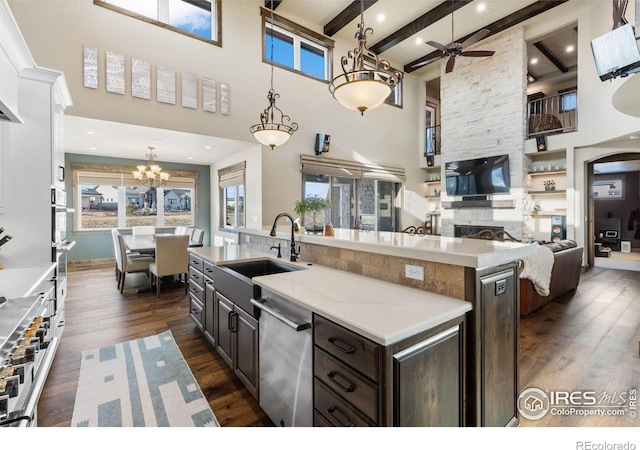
386, 135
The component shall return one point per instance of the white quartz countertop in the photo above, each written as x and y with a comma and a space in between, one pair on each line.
16, 282
378, 310
476, 253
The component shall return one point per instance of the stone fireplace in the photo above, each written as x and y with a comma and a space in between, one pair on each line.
466, 230
483, 103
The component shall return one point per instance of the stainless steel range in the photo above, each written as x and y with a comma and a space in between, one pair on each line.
29, 337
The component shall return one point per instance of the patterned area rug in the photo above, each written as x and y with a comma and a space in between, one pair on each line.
141, 383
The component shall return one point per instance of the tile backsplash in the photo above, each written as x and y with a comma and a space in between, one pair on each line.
445, 279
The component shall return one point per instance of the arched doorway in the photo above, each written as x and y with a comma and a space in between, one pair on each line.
613, 196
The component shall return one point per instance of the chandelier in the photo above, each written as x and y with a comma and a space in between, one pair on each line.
151, 175
268, 131
360, 87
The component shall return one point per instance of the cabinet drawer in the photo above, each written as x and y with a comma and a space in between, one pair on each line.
318, 420
196, 277
195, 310
358, 352
197, 292
208, 269
196, 262
335, 410
347, 383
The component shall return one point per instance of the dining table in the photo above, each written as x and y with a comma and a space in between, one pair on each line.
145, 243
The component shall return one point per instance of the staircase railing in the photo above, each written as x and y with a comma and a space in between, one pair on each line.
553, 114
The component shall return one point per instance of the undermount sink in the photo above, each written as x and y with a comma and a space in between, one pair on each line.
259, 267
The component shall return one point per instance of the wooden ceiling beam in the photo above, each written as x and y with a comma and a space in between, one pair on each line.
429, 18
276, 3
550, 56
345, 17
496, 27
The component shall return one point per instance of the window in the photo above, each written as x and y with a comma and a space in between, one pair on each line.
361, 195
195, 18
232, 196
296, 48
108, 197
568, 99
395, 98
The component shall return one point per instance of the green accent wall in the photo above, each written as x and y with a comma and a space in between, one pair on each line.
98, 244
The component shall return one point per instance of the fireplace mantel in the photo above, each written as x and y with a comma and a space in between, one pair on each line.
462, 204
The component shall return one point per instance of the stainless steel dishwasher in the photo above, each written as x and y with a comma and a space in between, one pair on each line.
286, 371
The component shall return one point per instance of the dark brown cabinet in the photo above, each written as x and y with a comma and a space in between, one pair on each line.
237, 340
196, 291
428, 382
201, 296
492, 346
209, 317
416, 382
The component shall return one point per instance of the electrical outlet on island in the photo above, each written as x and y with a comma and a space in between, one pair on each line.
414, 272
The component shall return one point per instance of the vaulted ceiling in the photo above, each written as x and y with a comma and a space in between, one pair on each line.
402, 27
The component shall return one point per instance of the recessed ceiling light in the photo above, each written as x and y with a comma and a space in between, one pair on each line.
534, 60
419, 41
207, 147
190, 157
381, 17
93, 148
570, 48
481, 7
90, 132
633, 136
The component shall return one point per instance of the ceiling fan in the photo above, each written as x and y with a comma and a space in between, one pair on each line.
457, 48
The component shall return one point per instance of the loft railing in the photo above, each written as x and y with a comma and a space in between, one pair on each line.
553, 114
432, 141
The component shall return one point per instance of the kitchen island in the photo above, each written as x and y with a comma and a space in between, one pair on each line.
384, 354
483, 274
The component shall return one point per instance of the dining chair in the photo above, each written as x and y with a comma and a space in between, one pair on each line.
130, 263
172, 258
197, 238
180, 230
116, 253
143, 230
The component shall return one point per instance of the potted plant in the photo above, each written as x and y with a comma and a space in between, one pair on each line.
312, 206
549, 185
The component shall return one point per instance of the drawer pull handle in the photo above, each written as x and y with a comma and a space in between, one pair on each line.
345, 349
344, 422
332, 376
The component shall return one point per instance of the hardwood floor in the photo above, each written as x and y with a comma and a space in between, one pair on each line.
586, 342
98, 315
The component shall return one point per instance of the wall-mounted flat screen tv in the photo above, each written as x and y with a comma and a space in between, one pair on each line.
481, 176
616, 53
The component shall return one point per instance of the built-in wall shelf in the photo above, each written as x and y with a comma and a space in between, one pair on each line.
548, 172
547, 214
554, 192
498, 204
